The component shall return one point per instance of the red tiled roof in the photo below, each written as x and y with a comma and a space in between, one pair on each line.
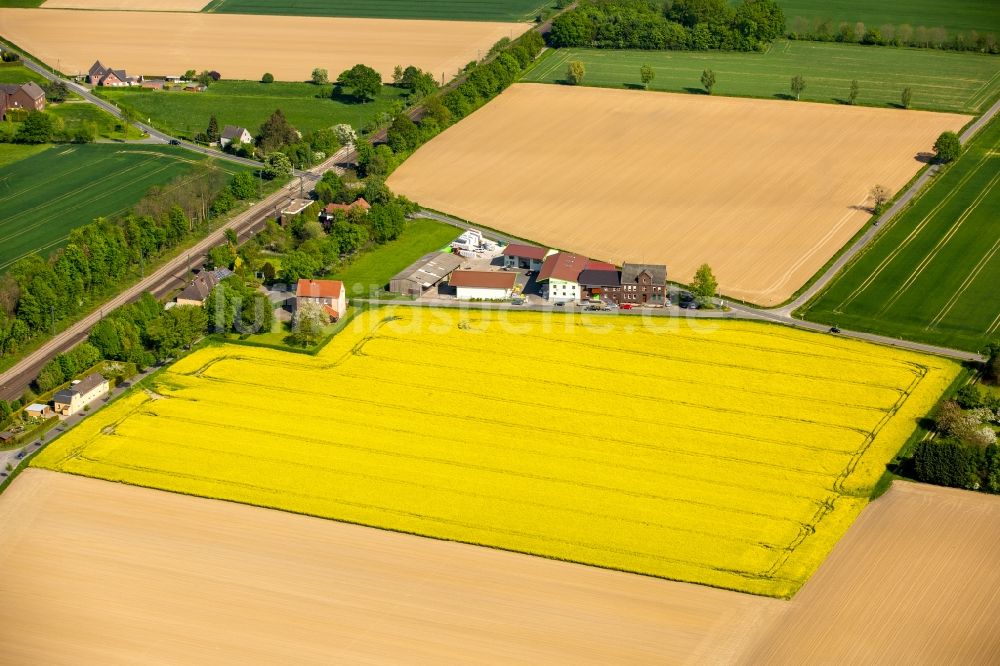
482, 279
319, 288
526, 251
600, 266
333, 314
563, 266
360, 203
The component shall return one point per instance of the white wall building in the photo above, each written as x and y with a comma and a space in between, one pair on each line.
71, 400
483, 285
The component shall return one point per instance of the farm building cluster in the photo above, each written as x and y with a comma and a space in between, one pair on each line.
477, 269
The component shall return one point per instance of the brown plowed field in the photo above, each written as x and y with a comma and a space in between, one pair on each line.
915, 581
764, 191
129, 5
244, 47
96, 572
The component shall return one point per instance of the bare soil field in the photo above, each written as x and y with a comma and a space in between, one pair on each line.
96, 572
915, 581
244, 47
764, 191
129, 5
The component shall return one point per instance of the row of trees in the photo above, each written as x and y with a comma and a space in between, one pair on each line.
480, 84
37, 294
890, 34
680, 24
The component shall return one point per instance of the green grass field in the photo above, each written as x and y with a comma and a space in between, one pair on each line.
249, 103
75, 112
464, 10
45, 196
15, 73
940, 81
371, 271
15, 152
934, 274
953, 15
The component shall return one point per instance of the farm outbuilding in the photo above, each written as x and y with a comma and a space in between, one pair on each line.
424, 273
482, 285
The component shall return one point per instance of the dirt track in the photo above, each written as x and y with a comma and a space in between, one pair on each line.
129, 5
764, 191
915, 581
244, 47
97, 572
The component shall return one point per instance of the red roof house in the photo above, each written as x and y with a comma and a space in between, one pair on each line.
328, 295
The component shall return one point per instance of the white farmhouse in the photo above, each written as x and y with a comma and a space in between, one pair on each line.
71, 400
235, 134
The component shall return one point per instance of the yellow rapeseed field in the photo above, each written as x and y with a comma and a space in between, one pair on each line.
733, 454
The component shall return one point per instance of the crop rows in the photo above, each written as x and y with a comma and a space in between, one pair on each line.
610, 444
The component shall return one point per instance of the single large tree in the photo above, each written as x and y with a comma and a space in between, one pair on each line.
275, 133
880, 196
798, 85
852, 96
947, 147
708, 80
361, 81
704, 284
320, 76
646, 75
213, 129
575, 72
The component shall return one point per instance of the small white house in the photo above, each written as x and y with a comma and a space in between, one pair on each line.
71, 400
482, 285
234, 134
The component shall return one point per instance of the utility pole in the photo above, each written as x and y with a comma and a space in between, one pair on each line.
52, 318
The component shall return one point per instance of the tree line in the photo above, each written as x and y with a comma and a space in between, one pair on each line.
964, 453
653, 25
38, 294
891, 34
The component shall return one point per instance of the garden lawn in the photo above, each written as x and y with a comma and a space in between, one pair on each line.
45, 196
464, 10
953, 15
940, 81
16, 73
932, 275
728, 453
370, 272
249, 103
76, 112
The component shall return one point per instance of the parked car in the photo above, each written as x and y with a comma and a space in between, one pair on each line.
561, 304
626, 306
690, 305
517, 301
834, 329
175, 142
20, 454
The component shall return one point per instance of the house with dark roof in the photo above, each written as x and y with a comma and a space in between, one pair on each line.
69, 401
99, 75
600, 284
644, 284
198, 289
235, 134
483, 285
28, 96
529, 257
329, 296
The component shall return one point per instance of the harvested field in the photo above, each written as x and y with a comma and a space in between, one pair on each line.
764, 191
129, 5
102, 573
728, 453
244, 47
915, 581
